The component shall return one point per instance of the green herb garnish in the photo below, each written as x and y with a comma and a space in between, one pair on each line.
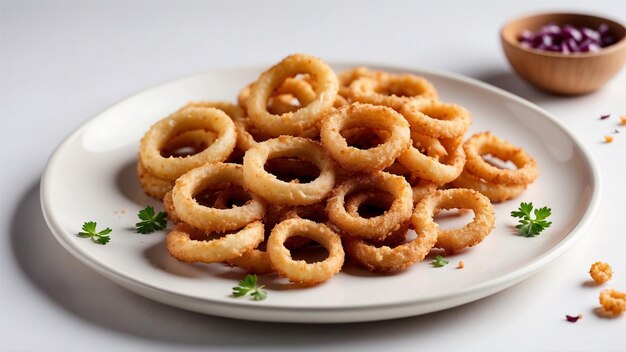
89, 231
439, 262
149, 221
249, 285
529, 227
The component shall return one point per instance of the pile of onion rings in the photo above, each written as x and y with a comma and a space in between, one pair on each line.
309, 160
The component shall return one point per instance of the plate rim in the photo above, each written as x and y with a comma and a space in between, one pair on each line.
509, 279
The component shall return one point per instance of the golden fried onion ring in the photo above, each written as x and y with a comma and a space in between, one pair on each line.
454, 240
347, 77
496, 192
186, 143
374, 117
182, 245
232, 110
392, 90
372, 202
208, 218
168, 206
437, 119
390, 258
433, 167
254, 261
377, 227
303, 121
299, 271
420, 187
247, 135
191, 118
486, 143
292, 88
152, 185
274, 190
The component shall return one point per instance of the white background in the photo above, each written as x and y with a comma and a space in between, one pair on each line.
62, 63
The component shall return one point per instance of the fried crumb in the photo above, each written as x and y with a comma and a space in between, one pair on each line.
461, 265
580, 316
608, 139
622, 120
601, 272
613, 301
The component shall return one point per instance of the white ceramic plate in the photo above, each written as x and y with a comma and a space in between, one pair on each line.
91, 177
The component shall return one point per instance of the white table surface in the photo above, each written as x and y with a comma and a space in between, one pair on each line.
62, 63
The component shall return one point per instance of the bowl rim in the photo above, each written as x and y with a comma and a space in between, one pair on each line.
619, 45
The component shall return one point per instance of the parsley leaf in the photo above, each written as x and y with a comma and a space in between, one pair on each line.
439, 262
529, 227
249, 285
149, 221
89, 231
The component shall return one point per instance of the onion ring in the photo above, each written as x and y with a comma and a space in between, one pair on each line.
389, 258
487, 143
377, 227
282, 100
244, 95
437, 119
314, 212
299, 271
182, 246
454, 240
207, 218
303, 121
374, 117
152, 185
192, 118
496, 192
347, 77
370, 203
247, 135
168, 206
187, 143
231, 196
254, 261
419, 186
391, 90
363, 137
220, 197
292, 170
274, 190
432, 167
232, 110
340, 101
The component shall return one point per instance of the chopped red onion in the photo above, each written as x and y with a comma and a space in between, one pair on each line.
589, 33
603, 29
567, 39
571, 32
572, 319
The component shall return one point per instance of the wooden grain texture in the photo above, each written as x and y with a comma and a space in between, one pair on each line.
567, 74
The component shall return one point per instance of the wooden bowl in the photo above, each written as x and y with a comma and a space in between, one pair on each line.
568, 74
